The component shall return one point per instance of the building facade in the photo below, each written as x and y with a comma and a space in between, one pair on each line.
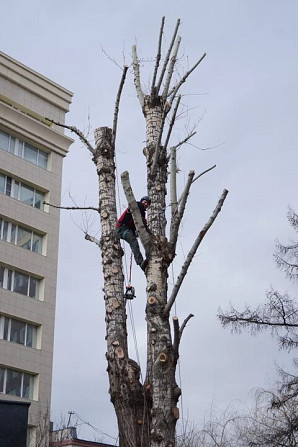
31, 155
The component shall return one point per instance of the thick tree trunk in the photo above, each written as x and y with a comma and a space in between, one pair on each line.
126, 390
162, 390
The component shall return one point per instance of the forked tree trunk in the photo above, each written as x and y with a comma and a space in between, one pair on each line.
146, 415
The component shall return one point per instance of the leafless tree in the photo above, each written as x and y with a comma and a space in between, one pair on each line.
146, 412
269, 423
276, 420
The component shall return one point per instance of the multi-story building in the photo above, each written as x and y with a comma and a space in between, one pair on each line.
31, 156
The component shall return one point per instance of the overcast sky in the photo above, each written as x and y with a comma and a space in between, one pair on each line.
245, 98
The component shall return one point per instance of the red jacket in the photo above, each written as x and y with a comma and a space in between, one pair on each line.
126, 220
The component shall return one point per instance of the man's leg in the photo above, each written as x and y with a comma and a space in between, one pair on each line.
129, 237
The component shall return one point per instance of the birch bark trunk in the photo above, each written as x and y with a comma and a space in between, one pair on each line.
126, 391
162, 390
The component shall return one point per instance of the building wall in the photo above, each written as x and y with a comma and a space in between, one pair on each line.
26, 98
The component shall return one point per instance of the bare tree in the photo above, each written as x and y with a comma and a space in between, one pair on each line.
276, 420
279, 313
286, 256
269, 423
146, 412
224, 430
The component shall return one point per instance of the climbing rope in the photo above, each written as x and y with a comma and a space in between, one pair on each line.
127, 277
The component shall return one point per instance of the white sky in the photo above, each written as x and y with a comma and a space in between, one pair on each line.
246, 91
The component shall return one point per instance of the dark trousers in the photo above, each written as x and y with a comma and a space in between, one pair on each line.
127, 235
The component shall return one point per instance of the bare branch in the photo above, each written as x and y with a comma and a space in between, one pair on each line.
171, 68
286, 256
177, 213
158, 56
116, 111
173, 119
279, 314
185, 140
110, 58
137, 218
73, 207
184, 324
77, 132
204, 172
178, 333
92, 239
175, 89
293, 219
167, 57
173, 173
173, 183
192, 252
176, 336
137, 80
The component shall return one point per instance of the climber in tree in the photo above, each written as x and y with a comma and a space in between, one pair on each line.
125, 229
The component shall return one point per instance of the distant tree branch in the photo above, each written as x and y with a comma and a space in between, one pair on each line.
279, 313
293, 219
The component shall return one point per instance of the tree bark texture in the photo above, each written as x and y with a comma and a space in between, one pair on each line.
126, 391
162, 390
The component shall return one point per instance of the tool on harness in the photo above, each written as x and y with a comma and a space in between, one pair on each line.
130, 293
130, 290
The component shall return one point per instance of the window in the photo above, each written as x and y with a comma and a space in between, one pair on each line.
19, 282
18, 331
21, 236
21, 191
24, 150
7, 142
16, 383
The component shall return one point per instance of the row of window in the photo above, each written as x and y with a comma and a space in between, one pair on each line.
19, 282
18, 235
21, 191
23, 150
16, 383
18, 331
